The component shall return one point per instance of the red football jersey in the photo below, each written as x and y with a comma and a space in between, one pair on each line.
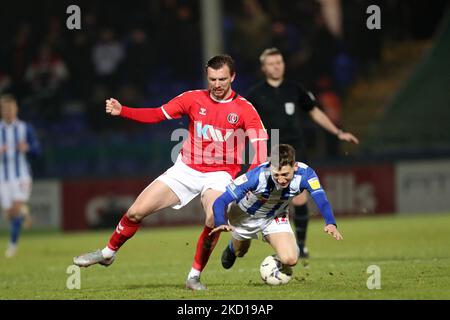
217, 129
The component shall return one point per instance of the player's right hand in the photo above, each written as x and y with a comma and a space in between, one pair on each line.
332, 230
113, 107
224, 227
23, 147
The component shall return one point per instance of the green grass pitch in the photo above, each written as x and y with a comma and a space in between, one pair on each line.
412, 253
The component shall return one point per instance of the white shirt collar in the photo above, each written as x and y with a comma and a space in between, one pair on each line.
222, 101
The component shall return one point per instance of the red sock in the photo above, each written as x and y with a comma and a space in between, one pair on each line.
205, 245
124, 231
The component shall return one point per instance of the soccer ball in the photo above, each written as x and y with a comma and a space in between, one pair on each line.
273, 272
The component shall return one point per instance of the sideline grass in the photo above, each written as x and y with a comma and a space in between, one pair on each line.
412, 253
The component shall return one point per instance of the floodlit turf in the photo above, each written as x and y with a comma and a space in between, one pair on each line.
412, 253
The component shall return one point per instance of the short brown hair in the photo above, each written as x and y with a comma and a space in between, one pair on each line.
269, 52
282, 155
8, 98
219, 61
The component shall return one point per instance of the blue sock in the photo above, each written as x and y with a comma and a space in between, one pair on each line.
16, 225
230, 245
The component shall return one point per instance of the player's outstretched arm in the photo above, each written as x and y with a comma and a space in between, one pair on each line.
174, 109
332, 230
234, 192
145, 115
319, 197
323, 205
220, 207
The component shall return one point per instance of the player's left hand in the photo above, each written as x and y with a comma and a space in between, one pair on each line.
347, 136
23, 147
332, 230
223, 227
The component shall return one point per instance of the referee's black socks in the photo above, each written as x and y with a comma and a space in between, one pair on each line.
301, 219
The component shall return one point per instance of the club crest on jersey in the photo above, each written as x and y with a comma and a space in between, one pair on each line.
232, 118
289, 107
240, 180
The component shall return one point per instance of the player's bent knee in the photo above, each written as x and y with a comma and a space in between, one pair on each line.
135, 215
209, 222
289, 260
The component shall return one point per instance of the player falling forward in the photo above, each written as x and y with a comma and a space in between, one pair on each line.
263, 196
281, 103
209, 159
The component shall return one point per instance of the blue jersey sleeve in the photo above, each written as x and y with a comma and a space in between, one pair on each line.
219, 208
32, 140
311, 182
234, 192
243, 184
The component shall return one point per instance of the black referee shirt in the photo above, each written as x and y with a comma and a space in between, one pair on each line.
281, 108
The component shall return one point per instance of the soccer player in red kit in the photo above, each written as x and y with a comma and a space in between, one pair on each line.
210, 158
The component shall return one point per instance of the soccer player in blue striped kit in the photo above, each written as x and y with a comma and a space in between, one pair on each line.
263, 195
17, 139
282, 104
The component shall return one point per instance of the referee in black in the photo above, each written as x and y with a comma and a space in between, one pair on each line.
278, 102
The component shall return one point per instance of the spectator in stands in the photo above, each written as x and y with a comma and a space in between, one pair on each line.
252, 33
19, 56
54, 37
285, 37
5, 82
331, 105
140, 59
107, 55
46, 76
80, 66
188, 43
324, 49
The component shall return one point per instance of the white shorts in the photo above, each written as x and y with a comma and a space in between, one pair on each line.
246, 226
187, 183
14, 190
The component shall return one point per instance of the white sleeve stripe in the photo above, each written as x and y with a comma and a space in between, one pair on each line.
234, 195
166, 114
257, 139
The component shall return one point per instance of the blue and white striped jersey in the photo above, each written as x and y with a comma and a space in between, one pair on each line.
257, 194
13, 163
264, 198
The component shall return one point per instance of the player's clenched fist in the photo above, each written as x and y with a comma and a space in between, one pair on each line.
113, 107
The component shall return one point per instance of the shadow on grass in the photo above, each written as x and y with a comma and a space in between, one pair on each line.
154, 286
378, 258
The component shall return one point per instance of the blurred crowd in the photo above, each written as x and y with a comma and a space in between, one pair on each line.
148, 51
